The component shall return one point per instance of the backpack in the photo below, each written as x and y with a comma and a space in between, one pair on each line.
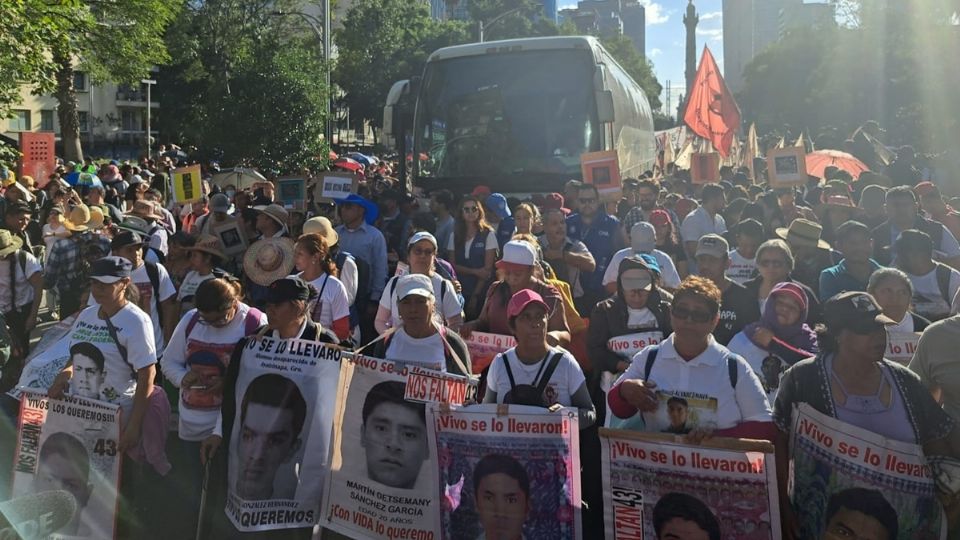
531, 394
153, 274
89, 249
363, 284
730, 358
944, 273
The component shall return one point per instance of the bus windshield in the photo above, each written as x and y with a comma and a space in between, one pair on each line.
506, 114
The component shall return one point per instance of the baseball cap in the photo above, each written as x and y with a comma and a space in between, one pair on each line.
659, 218
853, 310
110, 269
518, 252
713, 245
498, 203
415, 284
126, 238
480, 191
554, 201
422, 235
643, 237
652, 262
636, 278
522, 299
219, 203
288, 289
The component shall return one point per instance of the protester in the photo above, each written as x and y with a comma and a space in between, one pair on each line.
854, 271
602, 235
775, 263
474, 261
69, 261
811, 255
526, 219
738, 307
667, 240
935, 363
642, 241
903, 214
931, 202
892, 290
331, 307
442, 206
935, 284
691, 362
534, 372
205, 256
567, 257
743, 260
704, 220
21, 290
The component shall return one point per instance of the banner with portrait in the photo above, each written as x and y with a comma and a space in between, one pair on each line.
286, 397
484, 347
626, 346
843, 475
71, 444
382, 481
507, 472
723, 488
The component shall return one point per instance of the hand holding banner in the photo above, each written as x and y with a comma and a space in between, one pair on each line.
484, 347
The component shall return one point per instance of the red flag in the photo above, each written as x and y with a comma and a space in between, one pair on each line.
711, 111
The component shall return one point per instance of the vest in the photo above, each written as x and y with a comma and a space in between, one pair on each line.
599, 238
476, 258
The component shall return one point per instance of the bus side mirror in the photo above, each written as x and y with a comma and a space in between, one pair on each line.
604, 100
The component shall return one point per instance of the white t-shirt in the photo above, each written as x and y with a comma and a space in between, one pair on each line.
699, 223
442, 289
141, 279
333, 300
428, 352
191, 282
118, 381
928, 300
23, 288
702, 386
565, 381
198, 408
348, 276
491, 243
768, 367
669, 277
741, 268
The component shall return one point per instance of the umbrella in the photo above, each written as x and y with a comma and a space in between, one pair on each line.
348, 164
240, 177
360, 158
819, 160
77, 178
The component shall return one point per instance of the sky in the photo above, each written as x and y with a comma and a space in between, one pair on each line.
666, 38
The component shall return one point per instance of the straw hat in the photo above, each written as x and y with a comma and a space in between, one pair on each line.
268, 260
96, 218
207, 243
803, 233
77, 218
322, 226
146, 210
9, 243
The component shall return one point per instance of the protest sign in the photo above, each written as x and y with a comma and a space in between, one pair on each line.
731, 484
705, 168
901, 346
382, 481
71, 444
292, 191
231, 236
602, 169
286, 398
429, 386
45, 361
836, 464
626, 347
786, 167
511, 473
187, 184
484, 347
333, 186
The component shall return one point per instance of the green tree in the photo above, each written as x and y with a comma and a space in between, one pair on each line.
641, 69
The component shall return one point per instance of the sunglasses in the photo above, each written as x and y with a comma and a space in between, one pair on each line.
692, 315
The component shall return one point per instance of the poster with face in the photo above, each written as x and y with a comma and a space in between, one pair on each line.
509, 473
70, 444
382, 482
286, 396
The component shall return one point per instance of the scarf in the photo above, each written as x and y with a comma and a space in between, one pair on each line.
798, 335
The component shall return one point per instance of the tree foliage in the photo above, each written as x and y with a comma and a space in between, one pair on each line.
638, 67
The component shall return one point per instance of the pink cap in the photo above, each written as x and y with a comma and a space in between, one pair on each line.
659, 218
520, 300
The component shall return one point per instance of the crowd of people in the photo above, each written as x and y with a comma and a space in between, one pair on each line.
697, 310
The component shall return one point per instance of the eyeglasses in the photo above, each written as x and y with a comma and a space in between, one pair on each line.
471, 209
692, 315
423, 252
588, 201
224, 319
774, 263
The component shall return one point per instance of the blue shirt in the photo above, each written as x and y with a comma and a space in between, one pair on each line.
366, 242
837, 279
600, 237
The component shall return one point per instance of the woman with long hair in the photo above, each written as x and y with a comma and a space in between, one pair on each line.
472, 250
331, 308
526, 218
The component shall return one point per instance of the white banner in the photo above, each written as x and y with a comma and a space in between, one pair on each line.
901, 346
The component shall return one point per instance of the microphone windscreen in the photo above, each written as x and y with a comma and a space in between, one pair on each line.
36, 515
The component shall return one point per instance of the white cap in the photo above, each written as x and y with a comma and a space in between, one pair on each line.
422, 235
519, 252
643, 237
417, 284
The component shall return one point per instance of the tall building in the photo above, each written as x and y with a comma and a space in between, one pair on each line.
610, 18
750, 26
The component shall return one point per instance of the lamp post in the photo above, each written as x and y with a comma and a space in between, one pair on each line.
149, 84
481, 26
324, 38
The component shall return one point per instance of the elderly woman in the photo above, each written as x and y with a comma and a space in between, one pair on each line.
774, 263
418, 338
633, 318
731, 401
534, 372
517, 268
851, 381
893, 291
779, 339
422, 258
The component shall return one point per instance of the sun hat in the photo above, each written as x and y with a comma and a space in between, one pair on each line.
322, 226
135, 224
803, 233
207, 243
9, 243
713, 245
96, 218
371, 211
145, 210
274, 212
268, 260
288, 289
422, 235
414, 284
522, 299
110, 269
77, 218
643, 237
518, 252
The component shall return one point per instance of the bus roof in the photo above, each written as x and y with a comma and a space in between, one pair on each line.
515, 45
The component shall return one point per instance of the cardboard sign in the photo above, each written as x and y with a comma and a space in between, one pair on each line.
334, 186
187, 184
787, 167
705, 168
602, 169
292, 191
901, 346
231, 236
484, 347
39, 157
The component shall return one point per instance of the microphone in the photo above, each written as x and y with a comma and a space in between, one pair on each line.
36, 515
